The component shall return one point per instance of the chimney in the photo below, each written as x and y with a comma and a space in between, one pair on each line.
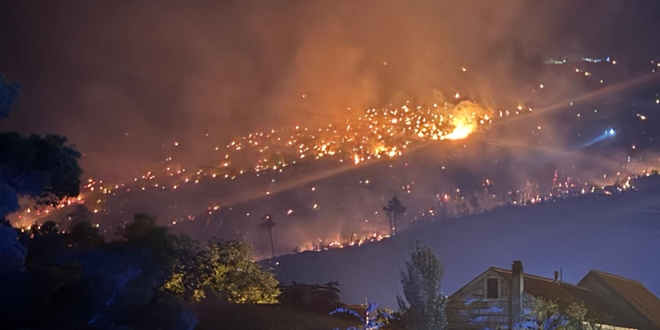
556, 276
517, 289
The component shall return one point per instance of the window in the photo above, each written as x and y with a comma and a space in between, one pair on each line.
492, 288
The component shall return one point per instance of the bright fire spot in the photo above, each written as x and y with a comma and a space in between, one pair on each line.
464, 122
461, 131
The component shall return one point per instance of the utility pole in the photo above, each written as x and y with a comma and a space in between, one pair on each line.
269, 224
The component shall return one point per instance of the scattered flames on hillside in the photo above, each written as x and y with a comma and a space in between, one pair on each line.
373, 134
385, 132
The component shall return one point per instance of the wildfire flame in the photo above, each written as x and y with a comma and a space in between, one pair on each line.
464, 121
461, 131
370, 134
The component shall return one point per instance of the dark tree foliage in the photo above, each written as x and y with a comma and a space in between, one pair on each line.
82, 232
394, 209
77, 281
474, 202
142, 227
79, 214
9, 93
154, 243
42, 168
45, 169
143, 233
43, 242
55, 280
48, 228
314, 297
85, 235
425, 307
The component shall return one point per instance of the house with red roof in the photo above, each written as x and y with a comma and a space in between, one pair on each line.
499, 299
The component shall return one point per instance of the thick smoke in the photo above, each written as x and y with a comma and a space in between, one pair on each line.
123, 79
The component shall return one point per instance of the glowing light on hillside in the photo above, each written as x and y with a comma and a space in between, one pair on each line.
461, 131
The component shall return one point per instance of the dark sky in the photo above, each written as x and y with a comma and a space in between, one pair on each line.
122, 78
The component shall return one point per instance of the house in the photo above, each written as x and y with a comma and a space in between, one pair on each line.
498, 298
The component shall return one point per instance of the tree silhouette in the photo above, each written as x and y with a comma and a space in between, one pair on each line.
474, 202
44, 169
48, 228
79, 214
84, 234
394, 209
9, 93
442, 204
425, 309
143, 225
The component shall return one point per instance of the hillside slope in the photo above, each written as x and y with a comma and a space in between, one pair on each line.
619, 234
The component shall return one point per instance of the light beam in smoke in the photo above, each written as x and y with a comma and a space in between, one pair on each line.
608, 134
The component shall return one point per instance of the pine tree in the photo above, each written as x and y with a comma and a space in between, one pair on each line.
394, 209
425, 307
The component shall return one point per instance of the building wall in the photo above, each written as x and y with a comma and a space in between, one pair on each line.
469, 308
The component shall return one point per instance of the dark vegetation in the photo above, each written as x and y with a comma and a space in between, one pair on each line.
214, 315
147, 278
77, 280
72, 278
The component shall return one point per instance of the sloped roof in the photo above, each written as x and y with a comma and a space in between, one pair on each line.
598, 309
633, 292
